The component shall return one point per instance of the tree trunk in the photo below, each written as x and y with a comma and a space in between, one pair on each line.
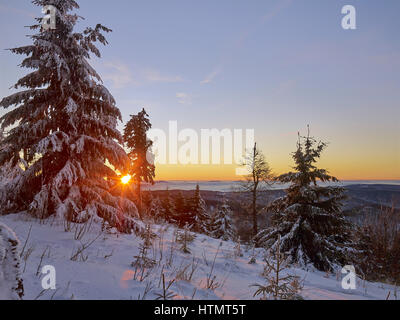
255, 181
139, 197
254, 212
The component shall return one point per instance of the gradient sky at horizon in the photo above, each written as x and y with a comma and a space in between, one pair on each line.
274, 66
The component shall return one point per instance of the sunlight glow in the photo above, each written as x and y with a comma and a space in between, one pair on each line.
126, 179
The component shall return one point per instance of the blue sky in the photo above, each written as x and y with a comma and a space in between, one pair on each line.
274, 66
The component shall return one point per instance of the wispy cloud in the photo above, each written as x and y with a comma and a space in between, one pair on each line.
184, 98
210, 77
119, 74
156, 76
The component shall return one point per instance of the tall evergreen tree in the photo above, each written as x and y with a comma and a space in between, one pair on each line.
309, 218
135, 137
65, 125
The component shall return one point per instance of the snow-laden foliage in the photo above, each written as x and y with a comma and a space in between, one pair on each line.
11, 286
8, 172
308, 219
220, 223
64, 126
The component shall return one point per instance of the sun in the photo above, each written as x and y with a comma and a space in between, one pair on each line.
126, 179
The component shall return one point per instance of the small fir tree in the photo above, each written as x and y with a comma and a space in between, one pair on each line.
221, 225
280, 285
309, 218
184, 238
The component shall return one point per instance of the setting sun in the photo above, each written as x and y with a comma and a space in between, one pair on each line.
126, 179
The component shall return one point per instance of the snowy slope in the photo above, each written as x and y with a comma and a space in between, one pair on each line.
104, 270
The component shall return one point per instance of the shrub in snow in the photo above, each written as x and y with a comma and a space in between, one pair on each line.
378, 244
11, 286
309, 218
65, 125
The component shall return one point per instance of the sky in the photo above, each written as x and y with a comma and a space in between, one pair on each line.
273, 66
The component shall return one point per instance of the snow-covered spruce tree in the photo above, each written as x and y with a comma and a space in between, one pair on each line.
9, 170
135, 138
65, 127
11, 285
309, 218
221, 225
199, 210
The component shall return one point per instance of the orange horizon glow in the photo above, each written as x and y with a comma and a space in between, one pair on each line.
344, 161
227, 172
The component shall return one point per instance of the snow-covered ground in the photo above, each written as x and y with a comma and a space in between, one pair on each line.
104, 271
